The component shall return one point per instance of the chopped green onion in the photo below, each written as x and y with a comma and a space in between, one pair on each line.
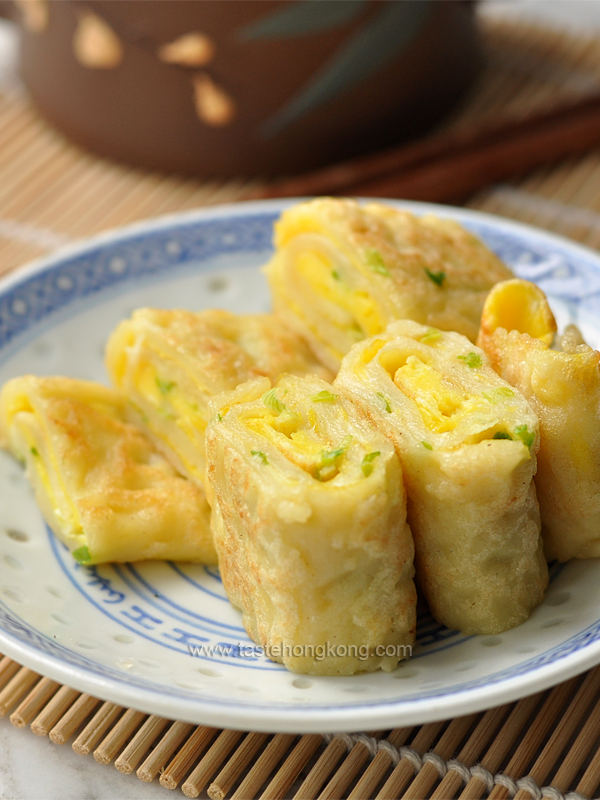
525, 435
34, 451
375, 262
164, 386
260, 455
473, 360
336, 275
356, 333
427, 446
271, 400
367, 463
328, 457
82, 554
497, 394
502, 435
437, 277
431, 335
220, 417
388, 407
324, 397
327, 467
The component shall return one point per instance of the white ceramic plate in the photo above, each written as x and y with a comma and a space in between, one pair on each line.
129, 633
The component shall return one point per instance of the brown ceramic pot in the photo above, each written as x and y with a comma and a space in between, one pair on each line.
253, 87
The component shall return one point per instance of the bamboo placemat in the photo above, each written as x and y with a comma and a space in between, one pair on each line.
52, 193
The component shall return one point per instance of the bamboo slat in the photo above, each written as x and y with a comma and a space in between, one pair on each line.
140, 744
162, 754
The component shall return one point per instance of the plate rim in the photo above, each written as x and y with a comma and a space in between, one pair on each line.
287, 718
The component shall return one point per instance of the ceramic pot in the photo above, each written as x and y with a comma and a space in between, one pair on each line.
253, 87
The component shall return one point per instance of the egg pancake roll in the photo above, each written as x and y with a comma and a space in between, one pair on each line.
309, 521
563, 387
467, 443
99, 481
170, 363
342, 272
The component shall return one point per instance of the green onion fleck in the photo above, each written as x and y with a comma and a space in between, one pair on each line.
502, 435
34, 451
431, 335
388, 407
324, 397
328, 466
437, 277
261, 455
497, 394
336, 275
82, 554
164, 386
473, 360
220, 417
375, 262
525, 435
271, 400
328, 457
427, 446
367, 463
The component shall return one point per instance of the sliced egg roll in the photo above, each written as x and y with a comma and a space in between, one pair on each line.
342, 272
309, 520
170, 363
99, 481
467, 443
563, 387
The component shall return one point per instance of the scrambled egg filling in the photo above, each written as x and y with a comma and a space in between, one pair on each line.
362, 317
520, 306
443, 403
49, 474
170, 402
301, 445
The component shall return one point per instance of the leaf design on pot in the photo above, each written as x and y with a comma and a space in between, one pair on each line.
366, 53
302, 18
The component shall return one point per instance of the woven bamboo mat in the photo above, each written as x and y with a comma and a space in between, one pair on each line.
52, 193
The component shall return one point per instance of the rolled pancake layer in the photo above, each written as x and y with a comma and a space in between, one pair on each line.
342, 272
171, 363
467, 444
563, 387
99, 481
309, 520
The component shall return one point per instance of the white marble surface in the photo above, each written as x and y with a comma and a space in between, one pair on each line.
36, 769
33, 768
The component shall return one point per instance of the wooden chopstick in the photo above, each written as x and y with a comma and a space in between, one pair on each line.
452, 166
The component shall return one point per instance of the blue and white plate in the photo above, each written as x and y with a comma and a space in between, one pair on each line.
162, 637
